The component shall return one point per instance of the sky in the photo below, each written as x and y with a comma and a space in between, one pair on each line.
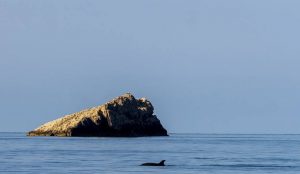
207, 66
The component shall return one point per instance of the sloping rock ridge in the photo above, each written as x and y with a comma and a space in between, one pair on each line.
124, 116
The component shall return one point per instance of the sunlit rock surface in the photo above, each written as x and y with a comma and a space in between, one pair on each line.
123, 116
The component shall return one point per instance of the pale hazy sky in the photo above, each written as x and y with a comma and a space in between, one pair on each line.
208, 66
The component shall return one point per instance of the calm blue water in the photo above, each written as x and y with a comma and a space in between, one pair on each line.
184, 153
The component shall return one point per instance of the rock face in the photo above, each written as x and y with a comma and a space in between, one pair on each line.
123, 116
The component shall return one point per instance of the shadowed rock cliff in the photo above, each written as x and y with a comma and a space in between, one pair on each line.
123, 116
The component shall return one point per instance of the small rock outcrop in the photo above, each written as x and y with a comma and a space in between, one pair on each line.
123, 116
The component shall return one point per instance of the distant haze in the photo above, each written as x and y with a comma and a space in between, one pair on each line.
208, 66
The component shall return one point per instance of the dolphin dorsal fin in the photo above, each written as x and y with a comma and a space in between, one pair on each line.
162, 162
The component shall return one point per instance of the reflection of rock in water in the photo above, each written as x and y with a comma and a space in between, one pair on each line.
123, 116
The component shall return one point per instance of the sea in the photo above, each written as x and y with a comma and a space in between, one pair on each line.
184, 154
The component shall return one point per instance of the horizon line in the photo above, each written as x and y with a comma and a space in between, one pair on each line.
202, 133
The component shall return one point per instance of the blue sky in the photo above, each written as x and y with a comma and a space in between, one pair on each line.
208, 66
